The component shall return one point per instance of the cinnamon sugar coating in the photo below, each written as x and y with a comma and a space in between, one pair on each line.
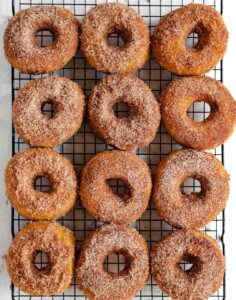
205, 276
20, 175
99, 284
39, 130
99, 199
57, 242
108, 18
176, 98
21, 46
136, 130
170, 34
197, 209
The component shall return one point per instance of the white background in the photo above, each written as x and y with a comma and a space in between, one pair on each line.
5, 152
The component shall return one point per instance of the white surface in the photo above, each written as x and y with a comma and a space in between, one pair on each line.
5, 153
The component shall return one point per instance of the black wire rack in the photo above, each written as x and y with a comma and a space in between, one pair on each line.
84, 145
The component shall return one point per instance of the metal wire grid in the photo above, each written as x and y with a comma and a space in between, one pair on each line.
84, 145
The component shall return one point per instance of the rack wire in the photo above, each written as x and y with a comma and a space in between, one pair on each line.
84, 145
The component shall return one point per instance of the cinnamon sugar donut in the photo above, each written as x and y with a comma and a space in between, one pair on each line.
136, 130
23, 170
39, 130
21, 46
205, 276
176, 98
108, 18
98, 198
99, 284
58, 243
170, 34
197, 209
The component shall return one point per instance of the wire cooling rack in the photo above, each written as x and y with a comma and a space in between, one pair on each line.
84, 145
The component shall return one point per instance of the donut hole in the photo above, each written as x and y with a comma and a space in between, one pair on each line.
118, 38
115, 39
185, 266
190, 264
191, 186
43, 184
116, 262
197, 38
48, 109
199, 111
44, 38
41, 260
187, 262
121, 110
120, 188
192, 40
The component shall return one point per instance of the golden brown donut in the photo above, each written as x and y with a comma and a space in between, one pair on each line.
23, 170
21, 46
99, 199
205, 276
197, 209
176, 98
108, 18
170, 34
58, 243
138, 129
99, 284
39, 130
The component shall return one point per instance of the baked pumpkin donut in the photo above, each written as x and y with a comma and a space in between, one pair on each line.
138, 129
108, 18
21, 46
99, 284
205, 276
197, 209
176, 98
21, 174
170, 34
51, 238
39, 130
99, 199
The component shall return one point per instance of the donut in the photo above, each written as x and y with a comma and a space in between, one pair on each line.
138, 129
176, 98
170, 35
105, 19
99, 199
99, 284
51, 238
207, 271
21, 46
39, 130
20, 176
197, 209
